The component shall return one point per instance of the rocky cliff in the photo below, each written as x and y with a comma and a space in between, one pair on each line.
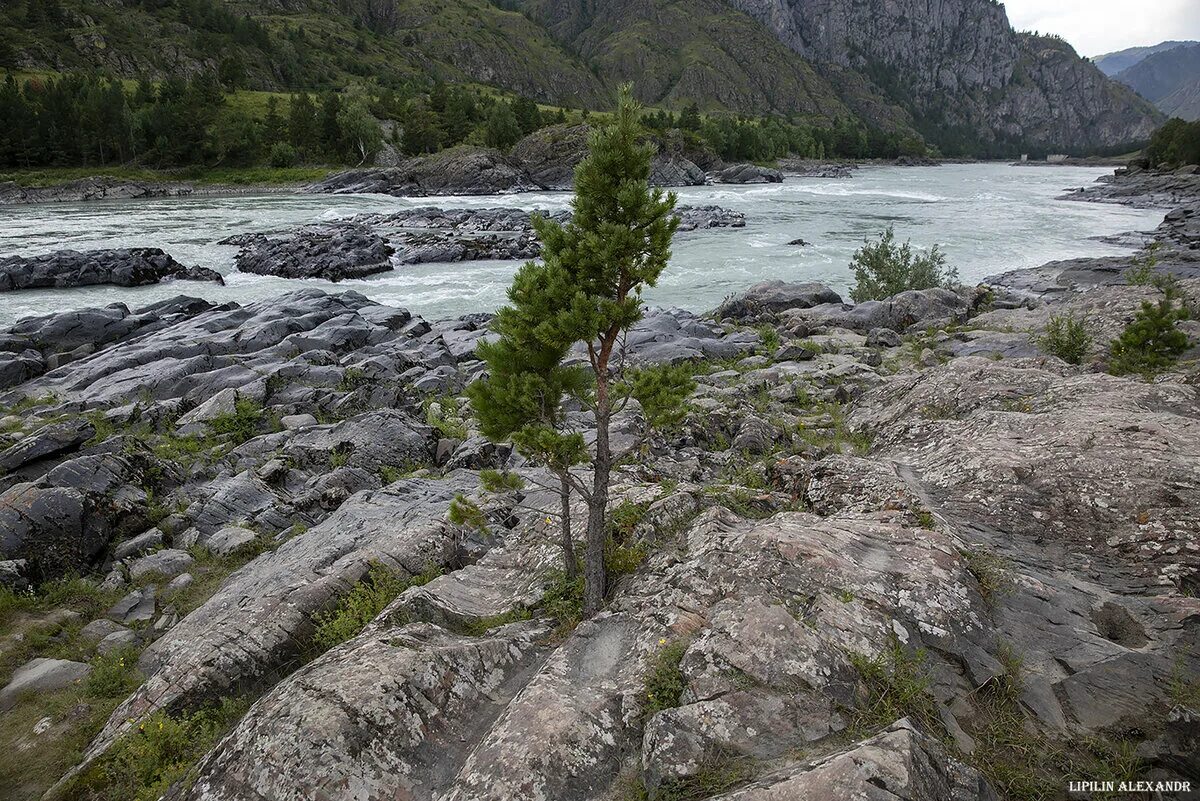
964, 73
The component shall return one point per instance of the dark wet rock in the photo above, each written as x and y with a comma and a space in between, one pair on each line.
64, 520
69, 268
772, 297
672, 170
118, 641
675, 336
138, 545
883, 338
801, 243
332, 252
693, 218
748, 174
136, 607
14, 574
458, 171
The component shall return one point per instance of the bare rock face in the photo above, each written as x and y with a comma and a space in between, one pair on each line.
261, 618
1061, 458
962, 65
390, 709
900, 763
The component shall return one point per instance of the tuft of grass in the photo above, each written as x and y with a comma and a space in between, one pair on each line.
363, 604
442, 414
717, 773
990, 570
895, 685
480, 627
665, 682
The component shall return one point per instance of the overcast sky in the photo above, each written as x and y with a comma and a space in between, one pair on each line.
1096, 27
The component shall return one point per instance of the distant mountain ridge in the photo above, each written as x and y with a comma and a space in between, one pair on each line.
1113, 63
1170, 79
955, 71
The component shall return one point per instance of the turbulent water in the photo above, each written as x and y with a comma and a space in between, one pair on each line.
988, 218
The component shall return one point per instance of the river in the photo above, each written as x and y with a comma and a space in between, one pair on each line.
987, 217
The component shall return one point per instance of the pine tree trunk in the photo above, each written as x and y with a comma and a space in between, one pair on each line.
594, 577
568, 542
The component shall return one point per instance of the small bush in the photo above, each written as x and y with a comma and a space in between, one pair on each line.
1067, 338
442, 415
1151, 342
362, 605
283, 155
563, 600
883, 268
114, 675
665, 683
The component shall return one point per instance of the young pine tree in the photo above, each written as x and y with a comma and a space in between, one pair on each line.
587, 291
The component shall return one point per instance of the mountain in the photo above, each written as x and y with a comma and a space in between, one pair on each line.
967, 77
1112, 63
1170, 79
954, 71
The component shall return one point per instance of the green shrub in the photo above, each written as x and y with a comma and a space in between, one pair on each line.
1067, 338
442, 415
143, 764
241, 424
363, 604
283, 155
114, 675
563, 600
1151, 342
883, 268
665, 683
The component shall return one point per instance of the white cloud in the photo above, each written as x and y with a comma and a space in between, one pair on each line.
1102, 26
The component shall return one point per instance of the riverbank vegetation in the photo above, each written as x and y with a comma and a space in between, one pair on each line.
94, 123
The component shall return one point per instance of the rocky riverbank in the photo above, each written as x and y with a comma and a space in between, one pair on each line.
894, 550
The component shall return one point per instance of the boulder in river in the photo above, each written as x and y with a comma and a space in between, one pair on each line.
748, 174
122, 267
333, 252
